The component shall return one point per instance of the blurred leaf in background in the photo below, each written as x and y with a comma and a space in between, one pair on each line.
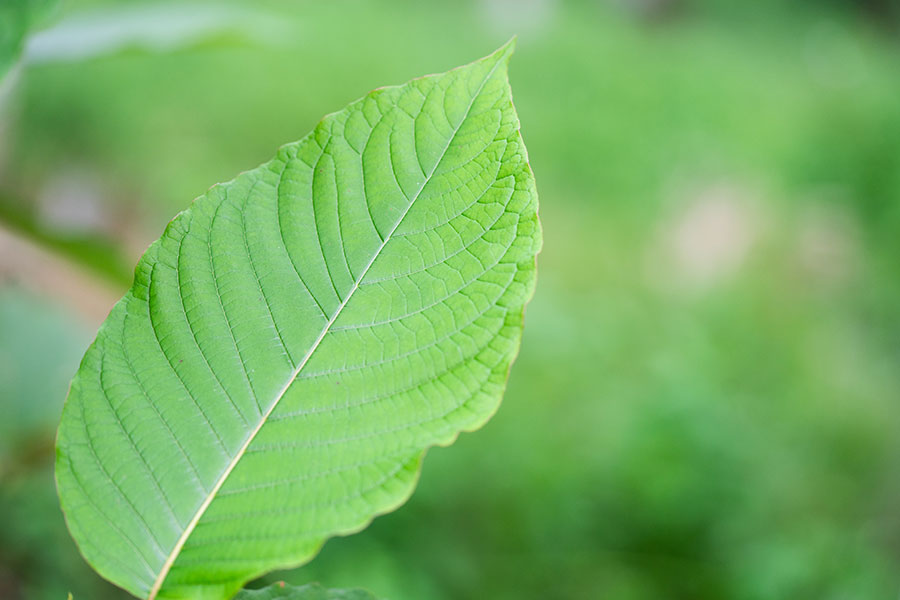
17, 18
150, 27
305, 592
706, 404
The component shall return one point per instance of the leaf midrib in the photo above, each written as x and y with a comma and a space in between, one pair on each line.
176, 550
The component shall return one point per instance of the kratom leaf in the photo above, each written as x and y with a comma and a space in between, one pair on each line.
299, 336
281, 591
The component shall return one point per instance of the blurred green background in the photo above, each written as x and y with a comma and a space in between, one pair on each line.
707, 400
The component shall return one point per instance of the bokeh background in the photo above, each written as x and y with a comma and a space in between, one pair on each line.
707, 402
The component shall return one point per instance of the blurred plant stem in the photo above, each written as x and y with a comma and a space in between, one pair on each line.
47, 273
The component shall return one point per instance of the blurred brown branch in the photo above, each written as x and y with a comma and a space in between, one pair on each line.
43, 272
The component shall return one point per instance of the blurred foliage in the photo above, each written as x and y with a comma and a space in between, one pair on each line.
706, 401
17, 17
314, 591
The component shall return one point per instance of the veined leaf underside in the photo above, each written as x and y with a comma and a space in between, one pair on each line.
300, 335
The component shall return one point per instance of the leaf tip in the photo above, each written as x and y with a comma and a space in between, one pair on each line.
507, 49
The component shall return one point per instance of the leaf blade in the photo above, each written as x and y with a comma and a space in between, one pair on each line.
270, 293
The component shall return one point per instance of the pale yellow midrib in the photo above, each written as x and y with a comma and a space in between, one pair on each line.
176, 551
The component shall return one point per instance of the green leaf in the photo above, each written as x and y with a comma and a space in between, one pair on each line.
300, 335
312, 591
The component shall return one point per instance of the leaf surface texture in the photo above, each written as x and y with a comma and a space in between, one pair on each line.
299, 336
